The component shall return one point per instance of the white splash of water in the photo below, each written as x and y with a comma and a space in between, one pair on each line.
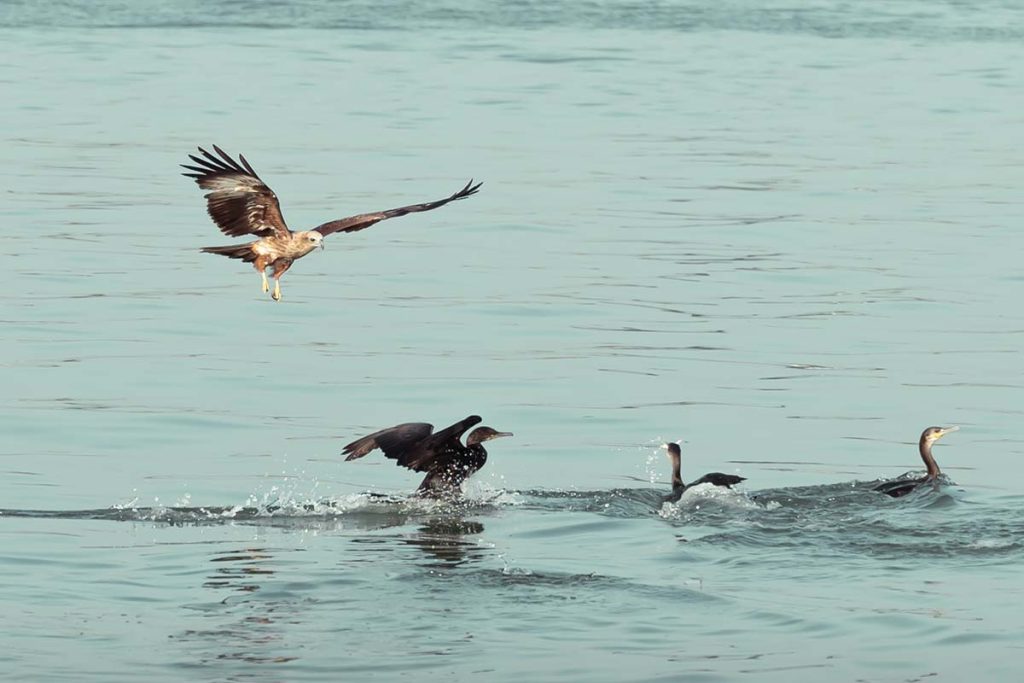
481, 491
654, 465
694, 497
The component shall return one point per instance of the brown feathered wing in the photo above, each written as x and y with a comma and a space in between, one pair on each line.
238, 202
365, 220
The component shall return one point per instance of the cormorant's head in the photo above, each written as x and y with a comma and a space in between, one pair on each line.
673, 449
481, 434
933, 434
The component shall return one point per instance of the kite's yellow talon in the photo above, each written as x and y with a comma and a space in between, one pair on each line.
277, 291
266, 285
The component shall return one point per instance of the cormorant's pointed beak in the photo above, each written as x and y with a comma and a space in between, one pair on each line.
663, 446
502, 434
947, 430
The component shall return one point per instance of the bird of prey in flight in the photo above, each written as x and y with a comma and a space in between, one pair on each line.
442, 456
242, 204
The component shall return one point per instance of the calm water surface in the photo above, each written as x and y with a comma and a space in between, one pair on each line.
787, 235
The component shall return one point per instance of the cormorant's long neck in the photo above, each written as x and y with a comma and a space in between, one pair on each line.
677, 477
929, 462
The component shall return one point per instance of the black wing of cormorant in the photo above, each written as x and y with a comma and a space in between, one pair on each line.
899, 488
412, 444
719, 479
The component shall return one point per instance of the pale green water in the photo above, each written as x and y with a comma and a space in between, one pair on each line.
788, 237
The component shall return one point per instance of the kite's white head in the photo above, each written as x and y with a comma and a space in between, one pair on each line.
309, 240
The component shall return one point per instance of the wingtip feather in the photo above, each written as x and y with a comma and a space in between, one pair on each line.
469, 190
248, 168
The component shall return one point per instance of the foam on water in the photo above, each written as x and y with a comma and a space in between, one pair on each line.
699, 497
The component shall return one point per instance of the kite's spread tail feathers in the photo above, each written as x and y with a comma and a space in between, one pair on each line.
242, 251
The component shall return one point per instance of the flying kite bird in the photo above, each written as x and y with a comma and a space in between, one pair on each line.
442, 456
242, 204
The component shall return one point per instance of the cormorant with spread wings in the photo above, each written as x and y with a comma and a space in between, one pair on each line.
442, 456
242, 204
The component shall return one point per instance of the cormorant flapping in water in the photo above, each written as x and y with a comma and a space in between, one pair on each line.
901, 487
675, 456
442, 456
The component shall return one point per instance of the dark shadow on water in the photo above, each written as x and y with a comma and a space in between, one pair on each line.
449, 541
240, 570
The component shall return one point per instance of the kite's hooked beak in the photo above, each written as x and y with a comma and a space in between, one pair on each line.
321, 246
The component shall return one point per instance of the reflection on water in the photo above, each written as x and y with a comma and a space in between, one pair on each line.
239, 570
445, 540
248, 628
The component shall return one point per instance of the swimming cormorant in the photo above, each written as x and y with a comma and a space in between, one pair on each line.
442, 456
675, 456
901, 487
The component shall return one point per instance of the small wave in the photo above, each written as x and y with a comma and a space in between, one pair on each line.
279, 512
843, 518
553, 585
626, 503
992, 543
829, 22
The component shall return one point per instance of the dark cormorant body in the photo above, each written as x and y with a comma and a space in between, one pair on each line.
901, 487
442, 456
675, 456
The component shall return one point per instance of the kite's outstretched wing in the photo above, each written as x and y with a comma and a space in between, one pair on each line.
365, 220
413, 444
238, 202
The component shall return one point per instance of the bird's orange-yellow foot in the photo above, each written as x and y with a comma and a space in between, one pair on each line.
266, 285
276, 296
